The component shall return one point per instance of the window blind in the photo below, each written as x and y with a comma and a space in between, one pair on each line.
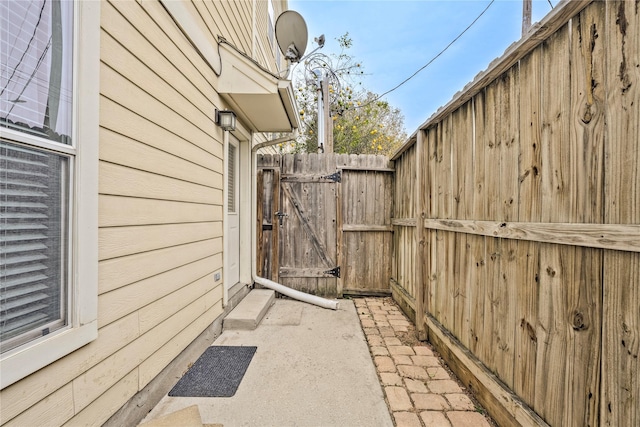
231, 179
32, 243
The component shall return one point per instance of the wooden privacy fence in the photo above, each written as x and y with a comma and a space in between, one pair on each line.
324, 222
517, 224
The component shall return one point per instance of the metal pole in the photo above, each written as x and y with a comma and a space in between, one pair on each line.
320, 120
526, 16
328, 123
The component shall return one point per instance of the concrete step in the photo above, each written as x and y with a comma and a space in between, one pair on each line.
187, 417
248, 314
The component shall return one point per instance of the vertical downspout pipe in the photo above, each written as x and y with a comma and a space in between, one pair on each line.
284, 290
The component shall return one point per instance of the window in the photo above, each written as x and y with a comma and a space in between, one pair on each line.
231, 179
48, 182
271, 23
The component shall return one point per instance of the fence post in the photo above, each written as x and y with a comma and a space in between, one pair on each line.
420, 248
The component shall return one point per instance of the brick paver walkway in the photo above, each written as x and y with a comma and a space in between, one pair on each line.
419, 390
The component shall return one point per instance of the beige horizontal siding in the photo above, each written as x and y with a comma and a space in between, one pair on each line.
165, 92
55, 409
262, 22
121, 241
165, 307
118, 211
128, 299
118, 272
152, 21
121, 150
101, 409
96, 381
36, 387
122, 91
160, 213
120, 180
228, 22
169, 65
132, 127
154, 364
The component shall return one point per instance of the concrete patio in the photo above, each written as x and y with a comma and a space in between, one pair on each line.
357, 366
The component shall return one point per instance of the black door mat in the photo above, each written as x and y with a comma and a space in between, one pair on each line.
217, 373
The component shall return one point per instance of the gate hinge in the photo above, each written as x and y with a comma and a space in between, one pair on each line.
335, 177
335, 272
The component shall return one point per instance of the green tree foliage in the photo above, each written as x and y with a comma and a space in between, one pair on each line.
362, 124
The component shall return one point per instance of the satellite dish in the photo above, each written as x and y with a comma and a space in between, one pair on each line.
291, 34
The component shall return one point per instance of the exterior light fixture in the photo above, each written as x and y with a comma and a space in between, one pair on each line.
226, 119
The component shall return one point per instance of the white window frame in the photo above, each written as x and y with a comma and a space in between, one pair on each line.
83, 234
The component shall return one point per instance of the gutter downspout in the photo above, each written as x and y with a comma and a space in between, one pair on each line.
291, 293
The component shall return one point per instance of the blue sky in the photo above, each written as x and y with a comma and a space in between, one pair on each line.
393, 39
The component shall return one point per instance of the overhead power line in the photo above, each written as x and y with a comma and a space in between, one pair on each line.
432, 59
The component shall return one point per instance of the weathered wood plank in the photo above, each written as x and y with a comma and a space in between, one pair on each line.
476, 296
620, 404
275, 234
508, 146
621, 237
289, 272
584, 305
431, 211
262, 251
404, 222
551, 332
341, 255
308, 178
367, 227
367, 168
419, 259
491, 125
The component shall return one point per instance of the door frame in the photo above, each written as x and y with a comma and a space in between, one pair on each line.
241, 138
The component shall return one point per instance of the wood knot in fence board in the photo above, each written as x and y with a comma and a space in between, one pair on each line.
578, 323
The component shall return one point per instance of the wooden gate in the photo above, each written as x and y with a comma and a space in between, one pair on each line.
324, 223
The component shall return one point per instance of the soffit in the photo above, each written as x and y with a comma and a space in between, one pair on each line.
262, 101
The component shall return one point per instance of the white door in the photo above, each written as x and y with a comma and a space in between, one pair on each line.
232, 253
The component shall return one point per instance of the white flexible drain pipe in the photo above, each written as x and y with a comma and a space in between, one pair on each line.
301, 296
284, 290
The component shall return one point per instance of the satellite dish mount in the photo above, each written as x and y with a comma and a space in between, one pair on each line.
291, 34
